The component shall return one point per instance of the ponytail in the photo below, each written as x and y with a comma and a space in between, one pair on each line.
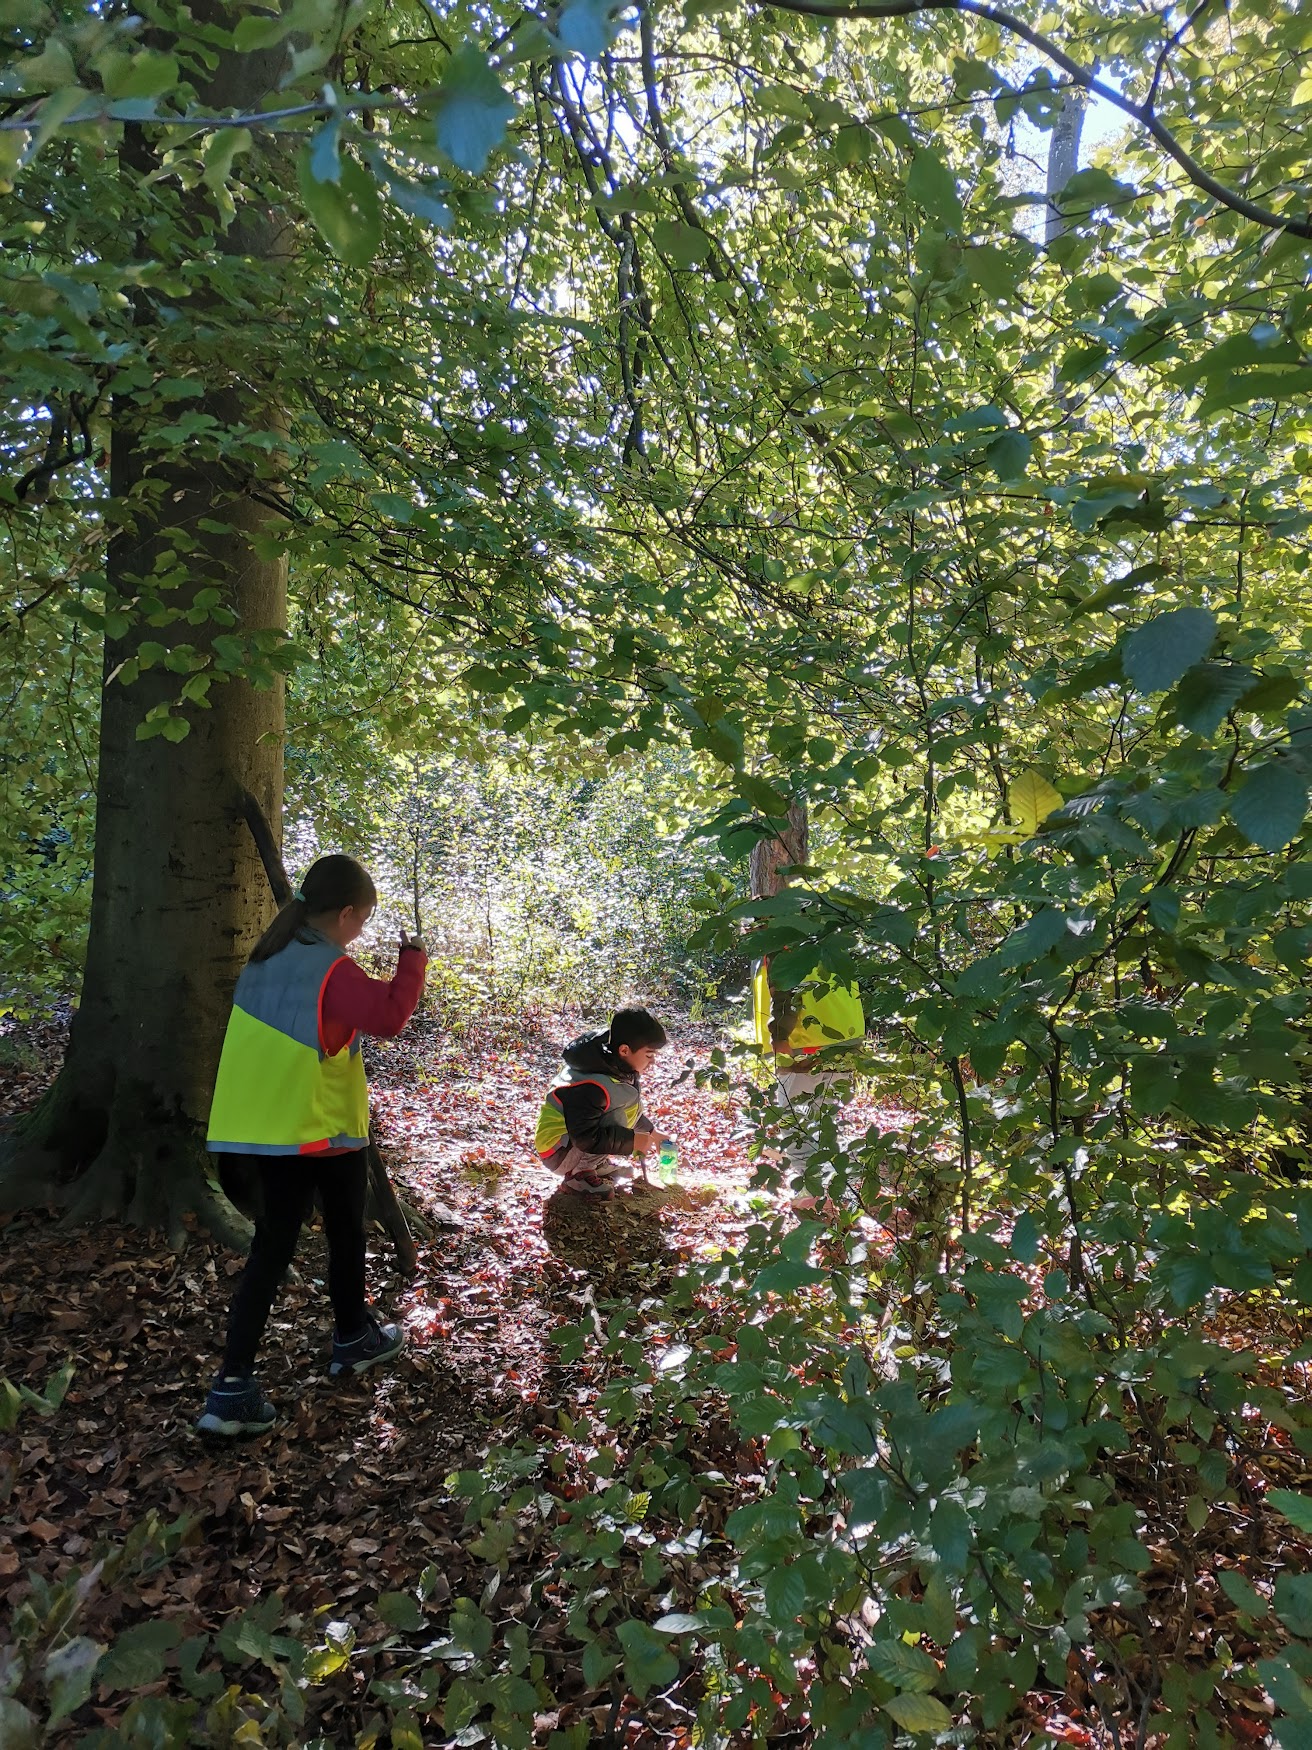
330, 885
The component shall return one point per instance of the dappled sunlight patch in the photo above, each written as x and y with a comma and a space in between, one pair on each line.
700, 1398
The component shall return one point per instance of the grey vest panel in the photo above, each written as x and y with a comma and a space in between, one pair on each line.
284, 990
620, 1094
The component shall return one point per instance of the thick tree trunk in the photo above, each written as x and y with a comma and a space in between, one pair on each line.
178, 894
772, 858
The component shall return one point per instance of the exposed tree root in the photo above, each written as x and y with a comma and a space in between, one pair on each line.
123, 1158
180, 1199
29, 1177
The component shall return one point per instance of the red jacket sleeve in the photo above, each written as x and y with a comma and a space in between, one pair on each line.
352, 1002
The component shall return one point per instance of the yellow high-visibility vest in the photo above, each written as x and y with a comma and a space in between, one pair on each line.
828, 1014
622, 1099
277, 1093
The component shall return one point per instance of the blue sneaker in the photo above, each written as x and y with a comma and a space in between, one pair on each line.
374, 1343
235, 1407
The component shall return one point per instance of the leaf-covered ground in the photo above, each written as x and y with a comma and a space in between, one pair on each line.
348, 1499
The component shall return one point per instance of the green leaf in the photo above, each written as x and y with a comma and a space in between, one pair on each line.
931, 185
1276, 383
470, 1628
139, 1655
18, 1726
844, 1427
1025, 1238
1272, 693
1207, 693
221, 151
1190, 1277
919, 1713
47, 71
995, 271
1238, 1590
422, 200
970, 76
786, 1276
785, 1596
471, 111
939, 1607
761, 795
1270, 806
258, 31
68, 1676
1009, 455
1293, 1603
56, 109
685, 244
587, 27
678, 1622
1157, 654
1101, 501
648, 1662
1292, 1695
57, 1386
1031, 799
1164, 909
909, 1668
347, 213
1295, 1507
1236, 350
325, 154
150, 73
1034, 938
400, 1610
404, 1732
598, 1663
1094, 188
462, 1702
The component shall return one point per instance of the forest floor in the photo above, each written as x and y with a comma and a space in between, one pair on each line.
349, 1497
346, 1498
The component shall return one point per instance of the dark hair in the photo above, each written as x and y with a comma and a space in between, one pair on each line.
331, 884
635, 1028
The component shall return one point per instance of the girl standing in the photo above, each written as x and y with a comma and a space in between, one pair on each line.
291, 1094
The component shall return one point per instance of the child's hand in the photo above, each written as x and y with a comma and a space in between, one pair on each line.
645, 1141
413, 942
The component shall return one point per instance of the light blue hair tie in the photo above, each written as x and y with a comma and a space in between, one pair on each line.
299, 895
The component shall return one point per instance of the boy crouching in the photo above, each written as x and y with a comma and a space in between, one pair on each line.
592, 1119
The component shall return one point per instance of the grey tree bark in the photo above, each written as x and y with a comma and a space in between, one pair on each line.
1063, 158
179, 894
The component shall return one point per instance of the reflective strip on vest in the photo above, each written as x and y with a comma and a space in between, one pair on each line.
828, 1014
277, 1093
622, 1098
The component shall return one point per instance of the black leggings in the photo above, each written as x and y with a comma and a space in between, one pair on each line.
289, 1183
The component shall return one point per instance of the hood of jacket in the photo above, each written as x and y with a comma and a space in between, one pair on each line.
590, 1054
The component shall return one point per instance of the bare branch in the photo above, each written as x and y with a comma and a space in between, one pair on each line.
1085, 76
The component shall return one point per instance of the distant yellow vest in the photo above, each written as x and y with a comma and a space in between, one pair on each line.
827, 1015
277, 1093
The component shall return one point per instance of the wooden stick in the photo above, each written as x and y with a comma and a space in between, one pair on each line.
267, 846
